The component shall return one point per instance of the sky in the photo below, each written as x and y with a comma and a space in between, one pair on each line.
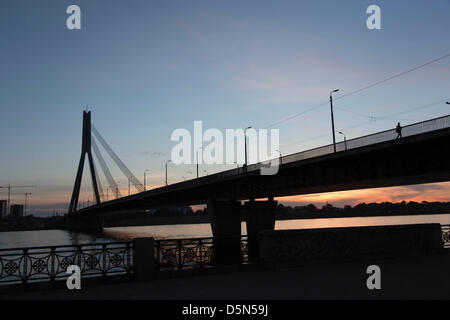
146, 68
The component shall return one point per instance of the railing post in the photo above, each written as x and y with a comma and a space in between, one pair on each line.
158, 254
79, 257
179, 246
25, 266
128, 253
200, 253
104, 253
52, 267
144, 258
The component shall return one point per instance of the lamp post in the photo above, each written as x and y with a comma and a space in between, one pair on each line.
332, 118
166, 170
345, 140
197, 158
281, 157
245, 145
145, 181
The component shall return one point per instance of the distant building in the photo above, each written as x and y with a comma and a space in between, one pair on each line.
3, 209
16, 211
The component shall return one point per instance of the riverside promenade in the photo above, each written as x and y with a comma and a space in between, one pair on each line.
409, 277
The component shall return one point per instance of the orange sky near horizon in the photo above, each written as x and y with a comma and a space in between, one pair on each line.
425, 192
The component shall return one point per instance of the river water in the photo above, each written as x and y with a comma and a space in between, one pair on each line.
17, 239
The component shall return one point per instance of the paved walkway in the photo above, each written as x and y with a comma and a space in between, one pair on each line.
424, 277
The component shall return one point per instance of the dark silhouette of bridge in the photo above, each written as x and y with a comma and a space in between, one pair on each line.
377, 160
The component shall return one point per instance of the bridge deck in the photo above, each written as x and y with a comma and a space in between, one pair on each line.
376, 160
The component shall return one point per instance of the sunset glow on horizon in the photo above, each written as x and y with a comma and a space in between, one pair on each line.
418, 193
159, 67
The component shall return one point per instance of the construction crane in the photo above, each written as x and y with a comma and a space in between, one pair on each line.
9, 186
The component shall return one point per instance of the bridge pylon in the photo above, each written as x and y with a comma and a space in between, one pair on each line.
85, 149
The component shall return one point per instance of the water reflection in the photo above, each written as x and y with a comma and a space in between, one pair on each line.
63, 237
18, 239
204, 229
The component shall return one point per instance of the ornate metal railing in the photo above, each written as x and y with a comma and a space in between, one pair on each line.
24, 265
193, 253
446, 235
35, 264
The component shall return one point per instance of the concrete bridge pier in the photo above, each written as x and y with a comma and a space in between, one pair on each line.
259, 216
92, 223
226, 229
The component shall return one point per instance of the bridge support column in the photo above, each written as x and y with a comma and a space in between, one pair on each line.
85, 223
226, 229
144, 258
259, 216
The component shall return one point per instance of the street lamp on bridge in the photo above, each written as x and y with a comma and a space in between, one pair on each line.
332, 118
245, 145
145, 182
197, 158
345, 139
166, 169
280, 157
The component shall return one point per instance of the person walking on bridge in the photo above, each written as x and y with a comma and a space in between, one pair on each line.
398, 129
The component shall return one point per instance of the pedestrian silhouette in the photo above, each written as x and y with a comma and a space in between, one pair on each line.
398, 129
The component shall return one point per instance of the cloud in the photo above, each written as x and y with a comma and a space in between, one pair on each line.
305, 78
58, 201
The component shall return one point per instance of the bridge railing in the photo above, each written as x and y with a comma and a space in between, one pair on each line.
383, 136
192, 253
47, 264
37, 264
446, 236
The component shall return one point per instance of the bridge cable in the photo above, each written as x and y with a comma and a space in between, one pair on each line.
112, 183
360, 89
117, 160
99, 184
326, 135
372, 119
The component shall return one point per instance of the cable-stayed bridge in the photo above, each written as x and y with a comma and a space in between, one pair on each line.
377, 160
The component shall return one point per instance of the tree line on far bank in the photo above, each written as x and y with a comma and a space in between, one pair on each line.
283, 212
